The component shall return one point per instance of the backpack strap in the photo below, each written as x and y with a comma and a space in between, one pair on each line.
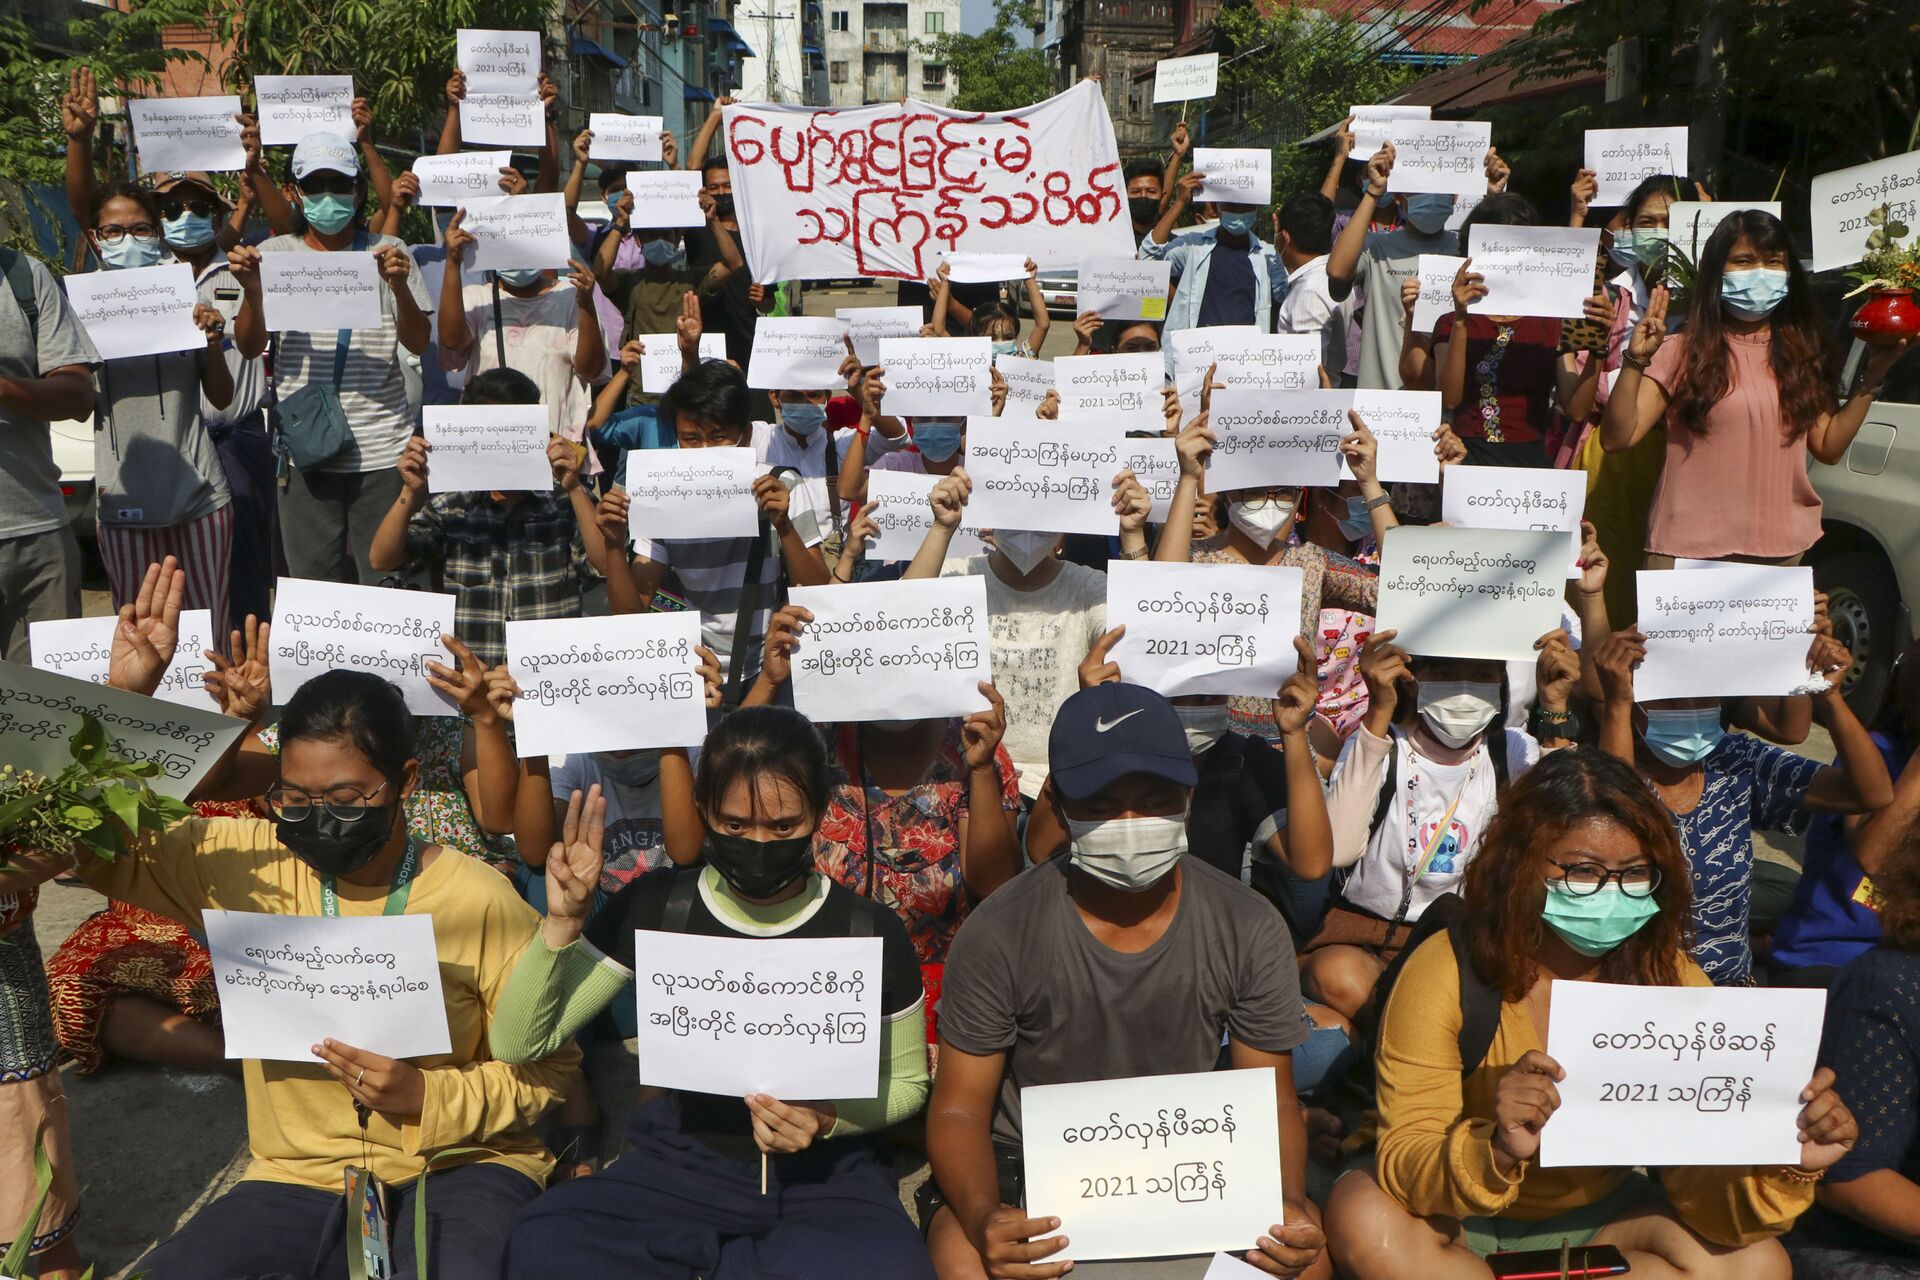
1389, 785
499, 327
1479, 1004
680, 896
743, 620
20, 281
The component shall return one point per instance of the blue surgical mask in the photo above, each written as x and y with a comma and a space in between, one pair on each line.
1006, 348
803, 417
1236, 224
1642, 247
1683, 736
1359, 522
131, 253
519, 277
1595, 923
659, 253
938, 439
1752, 295
327, 214
188, 231
1428, 212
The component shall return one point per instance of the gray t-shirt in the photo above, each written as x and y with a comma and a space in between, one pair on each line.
373, 390
30, 500
1389, 258
1025, 976
153, 462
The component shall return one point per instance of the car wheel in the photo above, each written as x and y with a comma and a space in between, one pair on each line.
1860, 600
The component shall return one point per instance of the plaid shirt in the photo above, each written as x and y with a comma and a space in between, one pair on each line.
516, 563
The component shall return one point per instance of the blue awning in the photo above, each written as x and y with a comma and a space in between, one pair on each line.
812, 50
593, 49
694, 93
724, 29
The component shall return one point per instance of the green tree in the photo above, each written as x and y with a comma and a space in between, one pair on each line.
997, 70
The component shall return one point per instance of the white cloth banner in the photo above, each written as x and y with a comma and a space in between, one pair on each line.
1403, 423
1740, 630
607, 684
1471, 593
624, 138
937, 377
789, 1017
876, 191
80, 647
137, 311
1184, 79
41, 712
316, 291
1691, 222
1620, 158
1267, 438
1052, 477
1268, 361
1840, 202
1437, 271
1234, 175
518, 231
661, 362
1373, 126
487, 447
1154, 1165
1533, 271
1028, 382
798, 353
288, 982
291, 107
1679, 1076
692, 493
450, 181
899, 503
173, 135
1123, 288
1439, 155
393, 633
665, 198
892, 650
1517, 498
867, 325
1113, 390
1205, 628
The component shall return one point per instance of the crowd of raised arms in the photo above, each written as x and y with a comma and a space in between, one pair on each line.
1366, 881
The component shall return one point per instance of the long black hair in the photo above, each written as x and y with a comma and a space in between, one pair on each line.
763, 742
357, 709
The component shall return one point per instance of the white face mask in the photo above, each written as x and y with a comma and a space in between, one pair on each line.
1263, 523
1456, 711
1128, 853
1025, 547
1205, 726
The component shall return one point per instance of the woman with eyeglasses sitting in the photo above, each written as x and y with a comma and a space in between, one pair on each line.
1581, 879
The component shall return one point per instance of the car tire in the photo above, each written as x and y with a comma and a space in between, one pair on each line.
1861, 600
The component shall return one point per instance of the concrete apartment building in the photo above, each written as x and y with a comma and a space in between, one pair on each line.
875, 50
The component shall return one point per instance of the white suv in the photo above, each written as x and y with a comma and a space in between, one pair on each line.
73, 454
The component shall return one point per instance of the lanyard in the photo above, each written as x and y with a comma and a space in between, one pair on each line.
396, 896
1417, 867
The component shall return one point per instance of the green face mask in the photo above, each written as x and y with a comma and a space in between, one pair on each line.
1595, 923
1646, 246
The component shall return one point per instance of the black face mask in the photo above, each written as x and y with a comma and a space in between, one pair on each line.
1144, 210
723, 206
335, 848
759, 868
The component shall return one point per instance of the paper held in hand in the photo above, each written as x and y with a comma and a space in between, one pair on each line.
1437, 272
665, 198
314, 292
607, 684
1123, 288
1267, 361
81, 647
1266, 438
899, 503
1028, 382
984, 268
1234, 175
1471, 593
173, 135
867, 325
518, 231
487, 447
1677, 1076
1155, 463
938, 377
892, 650
793, 1018
1439, 156
692, 493
1620, 158
1050, 477
1517, 498
287, 982
137, 311
453, 180
40, 713
1840, 202
1184, 79
393, 633
1533, 271
291, 107
1691, 222
1743, 629
1122, 390
1403, 425
1373, 126
622, 137
798, 353
1205, 628
662, 363
1154, 1166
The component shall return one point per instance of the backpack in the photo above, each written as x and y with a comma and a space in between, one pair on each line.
1479, 1002
20, 280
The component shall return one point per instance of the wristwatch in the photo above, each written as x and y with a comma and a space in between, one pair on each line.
1374, 504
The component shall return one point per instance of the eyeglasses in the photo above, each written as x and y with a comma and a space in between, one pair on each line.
179, 208
114, 234
289, 803
1584, 878
1279, 497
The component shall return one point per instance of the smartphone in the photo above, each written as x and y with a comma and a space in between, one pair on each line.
1584, 1263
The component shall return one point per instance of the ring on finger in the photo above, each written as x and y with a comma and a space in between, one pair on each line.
362, 1076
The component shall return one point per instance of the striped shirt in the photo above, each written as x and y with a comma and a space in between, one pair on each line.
373, 390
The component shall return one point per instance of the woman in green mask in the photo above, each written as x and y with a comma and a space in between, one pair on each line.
1580, 878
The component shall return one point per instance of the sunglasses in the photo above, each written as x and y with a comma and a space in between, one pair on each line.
326, 184
180, 208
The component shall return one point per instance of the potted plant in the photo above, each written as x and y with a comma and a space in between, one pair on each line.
1888, 274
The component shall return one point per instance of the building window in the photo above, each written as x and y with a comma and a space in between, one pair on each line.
936, 24
933, 75
837, 72
840, 20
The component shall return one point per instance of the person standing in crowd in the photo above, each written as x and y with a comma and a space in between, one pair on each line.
1223, 275
731, 304
1303, 232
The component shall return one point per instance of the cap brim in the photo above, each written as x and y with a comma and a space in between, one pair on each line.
1082, 780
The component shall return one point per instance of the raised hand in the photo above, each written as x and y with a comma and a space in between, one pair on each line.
573, 867
1360, 449
80, 108
395, 264
688, 327
1131, 502
1557, 670
249, 142
1827, 1129
1086, 326
1593, 561
1468, 288
1181, 141
512, 181
456, 88
783, 637
712, 679
413, 466
1383, 666
406, 189
1644, 343
1379, 170
583, 282
502, 692
240, 679
467, 685
1048, 410
244, 261
549, 93
1097, 667
1194, 445
582, 142
611, 516
362, 111
873, 391
211, 323
997, 391
1498, 171
149, 629
981, 732
631, 355
1586, 185
949, 497
1615, 662
1343, 138
1448, 447
1299, 697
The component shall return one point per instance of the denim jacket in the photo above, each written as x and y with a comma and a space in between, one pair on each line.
1191, 254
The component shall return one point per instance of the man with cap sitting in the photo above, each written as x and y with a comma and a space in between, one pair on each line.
1123, 959
331, 509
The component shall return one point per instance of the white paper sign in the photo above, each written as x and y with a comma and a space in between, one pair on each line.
692, 493
984, 268
1403, 423
80, 647
137, 311
314, 291
1471, 593
1621, 158
1373, 125
899, 503
453, 180
1691, 222
1268, 361
607, 684
799, 353
1840, 202
1517, 498
661, 364
288, 982
1533, 271
665, 198
818, 200
503, 119
1155, 1165
518, 231
789, 1017
938, 377
1124, 288
1440, 155
487, 447
1184, 79
1437, 272
1028, 382
41, 712
1679, 1075
892, 650
867, 325
1268, 438
393, 633
1052, 477
173, 135
1193, 630
1155, 463
1193, 351
1234, 175
620, 137
498, 61
1114, 391
1742, 629
291, 107
1227, 1267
